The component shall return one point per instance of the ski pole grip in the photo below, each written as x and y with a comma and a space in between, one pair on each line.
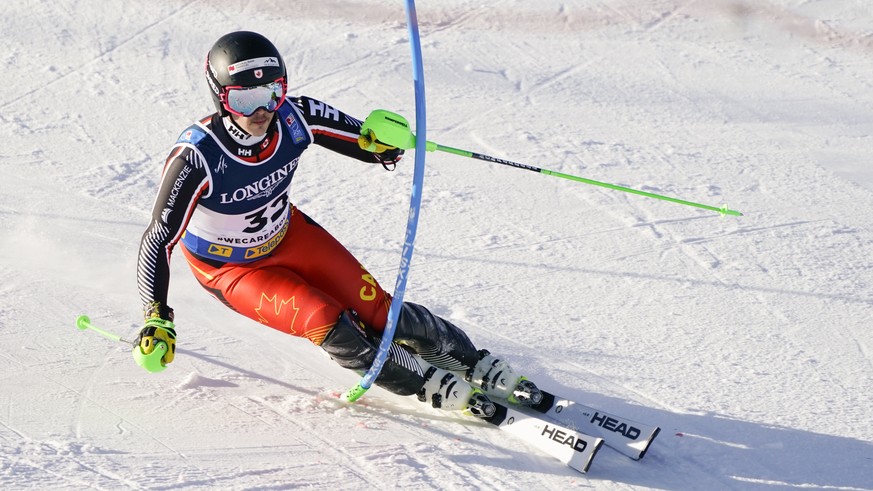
392, 129
151, 361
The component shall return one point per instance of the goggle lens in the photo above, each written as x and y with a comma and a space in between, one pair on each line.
244, 101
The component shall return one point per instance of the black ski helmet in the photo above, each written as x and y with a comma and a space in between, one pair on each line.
226, 64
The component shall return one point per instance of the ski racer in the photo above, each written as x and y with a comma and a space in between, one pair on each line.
225, 195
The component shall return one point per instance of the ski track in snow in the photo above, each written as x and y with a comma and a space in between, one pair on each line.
745, 339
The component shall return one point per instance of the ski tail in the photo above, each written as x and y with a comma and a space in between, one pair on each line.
572, 447
629, 437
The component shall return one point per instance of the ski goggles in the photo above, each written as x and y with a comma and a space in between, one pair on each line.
244, 101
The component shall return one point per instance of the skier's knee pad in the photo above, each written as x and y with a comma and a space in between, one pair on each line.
349, 346
435, 339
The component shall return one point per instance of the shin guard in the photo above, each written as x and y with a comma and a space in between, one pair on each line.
349, 346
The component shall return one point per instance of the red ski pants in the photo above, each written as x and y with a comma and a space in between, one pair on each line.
300, 288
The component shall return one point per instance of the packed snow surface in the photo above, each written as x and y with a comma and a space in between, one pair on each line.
747, 339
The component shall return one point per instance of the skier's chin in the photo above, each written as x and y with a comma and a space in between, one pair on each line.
256, 124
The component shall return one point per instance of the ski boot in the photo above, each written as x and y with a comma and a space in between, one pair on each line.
496, 378
444, 390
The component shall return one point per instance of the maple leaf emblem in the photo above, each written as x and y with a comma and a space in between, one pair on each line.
270, 312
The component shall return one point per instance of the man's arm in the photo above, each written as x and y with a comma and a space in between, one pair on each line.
184, 180
337, 131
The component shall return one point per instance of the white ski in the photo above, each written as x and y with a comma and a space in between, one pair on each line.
572, 447
629, 437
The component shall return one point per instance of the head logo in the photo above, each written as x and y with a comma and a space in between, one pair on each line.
259, 73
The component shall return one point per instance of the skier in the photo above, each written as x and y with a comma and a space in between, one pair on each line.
225, 194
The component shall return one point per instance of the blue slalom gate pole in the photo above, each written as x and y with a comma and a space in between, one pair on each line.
367, 380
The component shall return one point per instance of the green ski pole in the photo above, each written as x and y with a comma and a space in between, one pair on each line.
150, 361
393, 129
